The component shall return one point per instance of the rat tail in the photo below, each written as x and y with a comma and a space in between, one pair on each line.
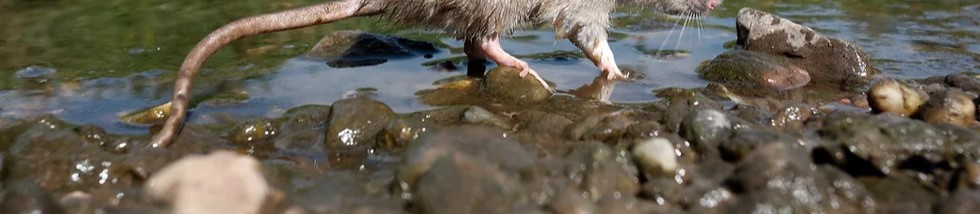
250, 26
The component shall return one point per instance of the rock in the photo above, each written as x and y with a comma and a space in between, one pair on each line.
479, 115
900, 195
355, 123
966, 81
792, 117
744, 141
952, 106
221, 182
656, 156
608, 173
705, 128
345, 193
401, 133
608, 128
355, 49
306, 117
754, 73
961, 202
779, 177
864, 144
543, 123
829, 61
487, 145
465, 169
680, 106
969, 177
27, 197
889, 95
57, 158
570, 202
254, 131
506, 85
458, 183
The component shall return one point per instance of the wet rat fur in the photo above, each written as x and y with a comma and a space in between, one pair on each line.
479, 23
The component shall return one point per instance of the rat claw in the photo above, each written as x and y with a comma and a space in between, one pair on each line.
528, 70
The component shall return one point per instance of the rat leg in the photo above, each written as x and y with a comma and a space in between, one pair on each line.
596, 48
492, 49
477, 59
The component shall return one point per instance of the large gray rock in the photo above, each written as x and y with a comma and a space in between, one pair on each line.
828, 60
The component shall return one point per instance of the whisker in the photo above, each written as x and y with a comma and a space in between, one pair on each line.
670, 33
687, 17
700, 25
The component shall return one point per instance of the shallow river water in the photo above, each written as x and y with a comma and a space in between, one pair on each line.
90, 61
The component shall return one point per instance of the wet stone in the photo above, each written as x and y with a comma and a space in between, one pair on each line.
744, 141
568, 201
307, 117
506, 85
609, 128
900, 195
59, 160
889, 95
680, 106
465, 169
961, 202
754, 73
877, 144
401, 133
93, 134
543, 123
356, 49
792, 117
458, 183
355, 123
486, 145
779, 177
831, 61
609, 173
952, 106
344, 193
254, 131
27, 197
479, 115
705, 128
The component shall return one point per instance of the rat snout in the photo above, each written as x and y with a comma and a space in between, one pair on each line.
712, 4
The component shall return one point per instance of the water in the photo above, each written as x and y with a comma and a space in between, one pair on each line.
97, 59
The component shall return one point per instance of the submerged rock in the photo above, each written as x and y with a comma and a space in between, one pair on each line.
356, 49
831, 61
221, 182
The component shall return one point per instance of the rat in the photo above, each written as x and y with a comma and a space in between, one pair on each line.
478, 23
